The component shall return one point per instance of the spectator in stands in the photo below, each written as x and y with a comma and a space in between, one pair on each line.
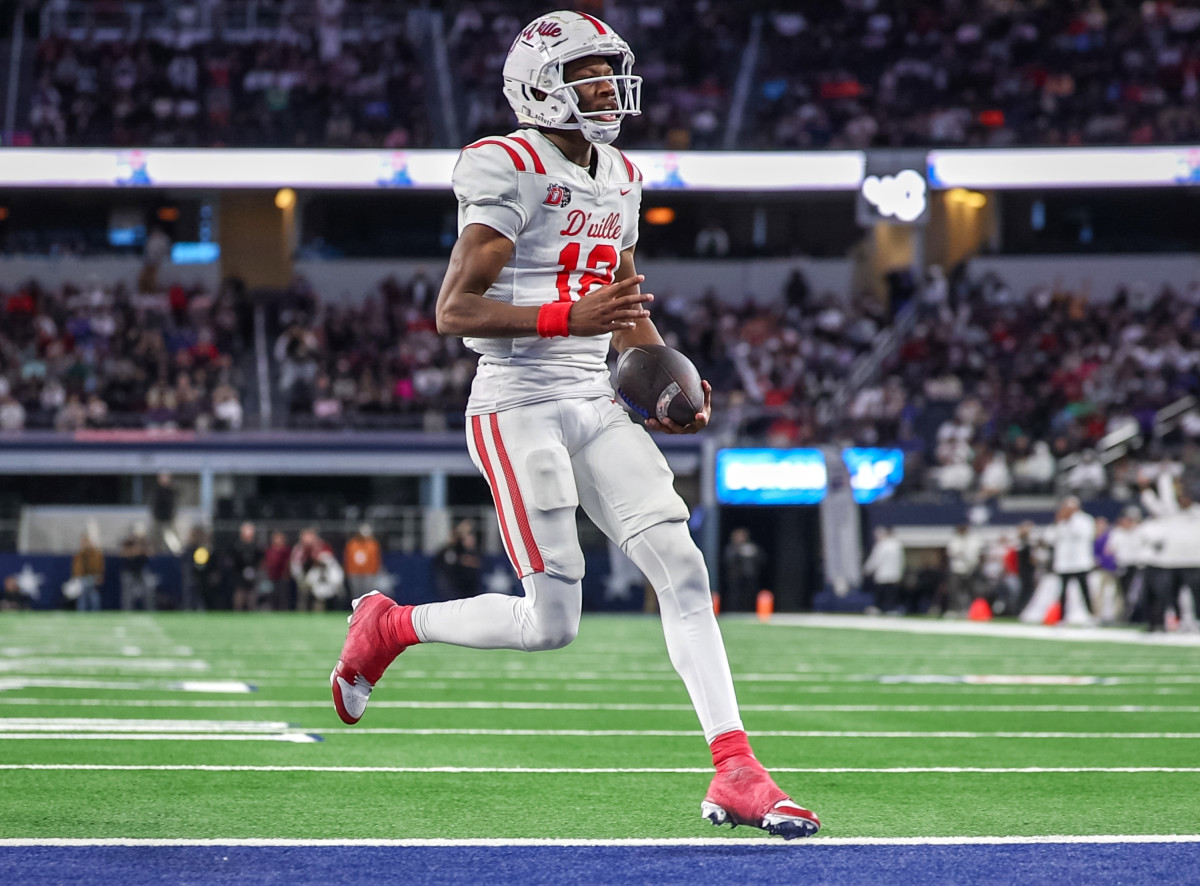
1087, 479
964, 552
998, 574
87, 567
227, 408
1073, 536
12, 413
316, 572
744, 561
885, 567
136, 586
202, 573
457, 565
1105, 577
1174, 555
298, 373
277, 569
1026, 564
163, 508
12, 598
246, 560
157, 250
994, 477
1125, 544
363, 561
1034, 470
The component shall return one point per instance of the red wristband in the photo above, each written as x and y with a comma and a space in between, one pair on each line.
552, 318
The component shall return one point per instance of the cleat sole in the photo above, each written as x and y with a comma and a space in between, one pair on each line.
786, 826
713, 813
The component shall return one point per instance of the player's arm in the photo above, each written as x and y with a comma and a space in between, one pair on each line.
644, 332
477, 260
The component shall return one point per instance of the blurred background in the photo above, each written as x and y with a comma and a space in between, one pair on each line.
939, 261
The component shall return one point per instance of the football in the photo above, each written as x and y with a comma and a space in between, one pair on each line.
654, 381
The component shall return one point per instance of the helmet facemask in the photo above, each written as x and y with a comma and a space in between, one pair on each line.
627, 93
535, 85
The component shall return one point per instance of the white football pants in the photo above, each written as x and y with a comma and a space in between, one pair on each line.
542, 462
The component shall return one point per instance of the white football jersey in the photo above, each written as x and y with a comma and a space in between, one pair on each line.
568, 231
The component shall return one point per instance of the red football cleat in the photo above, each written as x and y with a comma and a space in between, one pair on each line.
742, 792
366, 654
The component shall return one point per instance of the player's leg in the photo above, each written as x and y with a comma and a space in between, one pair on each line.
522, 455
627, 489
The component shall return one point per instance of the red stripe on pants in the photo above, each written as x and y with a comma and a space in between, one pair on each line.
481, 448
514, 492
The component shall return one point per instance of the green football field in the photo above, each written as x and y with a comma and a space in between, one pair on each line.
220, 726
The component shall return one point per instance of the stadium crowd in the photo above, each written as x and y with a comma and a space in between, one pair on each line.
988, 392
999, 386
688, 55
88, 357
850, 74
861, 73
377, 364
306, 81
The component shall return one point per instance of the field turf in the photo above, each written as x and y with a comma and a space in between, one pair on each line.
215, 729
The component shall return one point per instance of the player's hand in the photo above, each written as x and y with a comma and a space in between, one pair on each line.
611, 308
699, 424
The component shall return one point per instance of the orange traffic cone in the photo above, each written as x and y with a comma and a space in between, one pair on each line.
764, 604
1053, 614
980, 610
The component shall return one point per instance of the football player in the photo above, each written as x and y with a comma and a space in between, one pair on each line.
541, 283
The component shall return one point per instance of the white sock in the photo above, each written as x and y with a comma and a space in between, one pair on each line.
671, 561
547, 617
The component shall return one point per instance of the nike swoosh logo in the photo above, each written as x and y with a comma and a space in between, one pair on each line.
625, 191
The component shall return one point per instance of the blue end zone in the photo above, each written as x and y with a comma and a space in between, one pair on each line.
1049, 864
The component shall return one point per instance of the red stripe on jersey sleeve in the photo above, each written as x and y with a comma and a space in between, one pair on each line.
516, 158
537, 161
635, 174
595, 23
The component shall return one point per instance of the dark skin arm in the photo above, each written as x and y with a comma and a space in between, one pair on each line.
479, 256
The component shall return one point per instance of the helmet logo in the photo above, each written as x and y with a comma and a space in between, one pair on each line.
557, 195
542, 29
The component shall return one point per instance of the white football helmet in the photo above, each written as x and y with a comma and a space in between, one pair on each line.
535, 67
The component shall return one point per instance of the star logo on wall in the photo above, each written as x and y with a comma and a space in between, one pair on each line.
29, 582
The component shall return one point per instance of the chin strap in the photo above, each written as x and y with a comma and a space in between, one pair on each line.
600, 135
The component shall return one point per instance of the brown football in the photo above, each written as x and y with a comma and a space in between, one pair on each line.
654, 381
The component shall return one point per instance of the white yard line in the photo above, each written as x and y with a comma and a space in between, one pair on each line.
382, 704
725, 842
77, 665
230, 686
792, 681
1006, 630
778, 733
85, 724
114, 725
560, 770
287, 737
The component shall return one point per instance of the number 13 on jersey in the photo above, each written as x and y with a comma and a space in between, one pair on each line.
598, 270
